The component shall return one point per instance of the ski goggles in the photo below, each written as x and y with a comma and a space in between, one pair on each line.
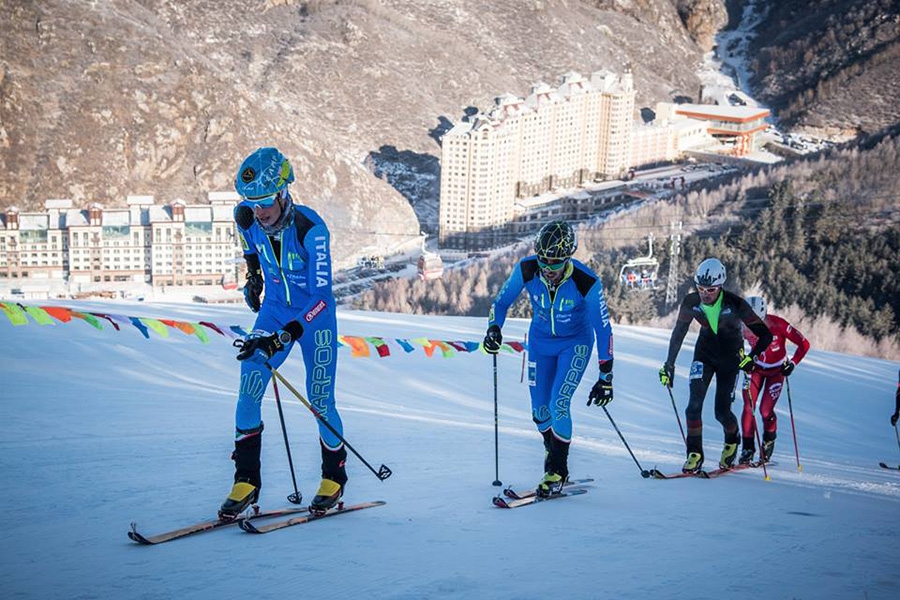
552, 264
708, 289
263, 201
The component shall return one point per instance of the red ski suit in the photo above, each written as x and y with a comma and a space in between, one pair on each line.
767, 377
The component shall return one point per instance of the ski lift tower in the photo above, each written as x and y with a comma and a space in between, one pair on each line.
674, 252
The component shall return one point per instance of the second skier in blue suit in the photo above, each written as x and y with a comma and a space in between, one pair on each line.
569, 311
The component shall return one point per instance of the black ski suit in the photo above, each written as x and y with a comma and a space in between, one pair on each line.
716, 353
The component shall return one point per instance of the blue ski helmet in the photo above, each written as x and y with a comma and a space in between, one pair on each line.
263, 174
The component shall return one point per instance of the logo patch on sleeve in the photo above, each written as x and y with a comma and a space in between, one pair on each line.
314, 311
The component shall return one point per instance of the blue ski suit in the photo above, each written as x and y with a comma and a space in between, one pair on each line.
561, 337
296, 266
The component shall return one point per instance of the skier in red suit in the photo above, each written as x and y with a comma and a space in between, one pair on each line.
767, 378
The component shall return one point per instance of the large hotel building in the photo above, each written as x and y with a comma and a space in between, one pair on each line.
554, 138
500, 167
162, 245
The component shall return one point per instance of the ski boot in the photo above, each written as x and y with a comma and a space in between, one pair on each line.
694, 463
767, 450
328, 496
242, 496
548, 444
334, 477
729, 453
557, 472
746, 456
247, 480
551, 484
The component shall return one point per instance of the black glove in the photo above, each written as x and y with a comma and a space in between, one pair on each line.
260, 348
602, 392
745, 362
254, 285
894, 418
667, 375
493, 339
787, 368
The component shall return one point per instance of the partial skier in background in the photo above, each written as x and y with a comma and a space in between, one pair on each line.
719, 352
287, 250
569, 310
765, 382
896, 414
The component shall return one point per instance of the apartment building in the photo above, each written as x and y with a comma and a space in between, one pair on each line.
552, 139
174, 244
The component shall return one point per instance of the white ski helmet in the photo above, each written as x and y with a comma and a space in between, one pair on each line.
711, 272
758, 304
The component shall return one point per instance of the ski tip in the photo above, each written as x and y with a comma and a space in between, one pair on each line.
134, 536
247, 526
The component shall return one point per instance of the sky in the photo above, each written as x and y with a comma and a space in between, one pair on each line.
106, 427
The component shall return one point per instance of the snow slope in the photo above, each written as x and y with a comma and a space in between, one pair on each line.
106, 427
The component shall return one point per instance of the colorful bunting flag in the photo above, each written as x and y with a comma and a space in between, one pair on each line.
156, 326
88, 318
15, 314
381, 346
38, 314
59, 313
359, 346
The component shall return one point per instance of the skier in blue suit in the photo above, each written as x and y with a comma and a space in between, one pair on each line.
286, 247
569, 310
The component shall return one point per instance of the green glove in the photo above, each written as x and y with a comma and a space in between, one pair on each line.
667, 375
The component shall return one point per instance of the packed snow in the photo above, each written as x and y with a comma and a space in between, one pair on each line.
107, 427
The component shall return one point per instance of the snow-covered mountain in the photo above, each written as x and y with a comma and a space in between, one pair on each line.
105, 427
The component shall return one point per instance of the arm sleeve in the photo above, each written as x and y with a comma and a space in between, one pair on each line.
598, 313
799, 339
756, 325
317, 244
252, 261
897, 409
681, 328
508, 294
243, 219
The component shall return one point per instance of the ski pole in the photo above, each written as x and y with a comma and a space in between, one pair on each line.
793, 429
645, 474
296, 497
522, 375
497, 481
382, 473
672, 398
759, 445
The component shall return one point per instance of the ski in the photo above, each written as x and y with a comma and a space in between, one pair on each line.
510, 493
886, 466
501, 502
248, 525
720, 471
175, 534
657, 474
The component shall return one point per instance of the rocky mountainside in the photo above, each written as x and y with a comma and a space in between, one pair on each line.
99, 100
829, 66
